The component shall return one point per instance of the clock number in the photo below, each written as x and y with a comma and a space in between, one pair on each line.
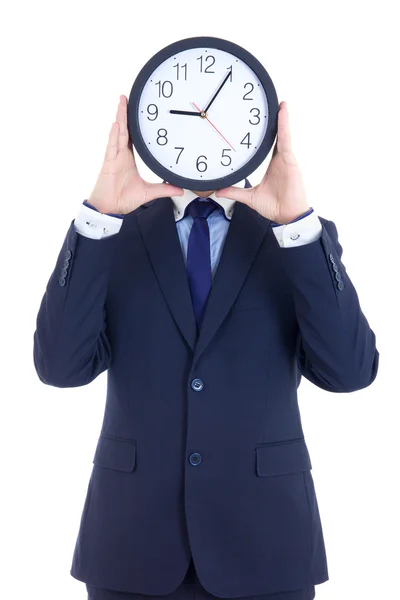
152, 113
177, 70
201, 162
163, 88
200, 58
230, 76
162, 136
257, 116
248, 143
181, 150
249, 92
213, 61
226, 156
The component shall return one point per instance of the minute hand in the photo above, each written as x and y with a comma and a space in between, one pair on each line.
217, 92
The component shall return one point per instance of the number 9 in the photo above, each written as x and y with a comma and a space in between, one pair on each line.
152, 113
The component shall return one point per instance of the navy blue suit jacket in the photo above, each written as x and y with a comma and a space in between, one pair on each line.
245, 508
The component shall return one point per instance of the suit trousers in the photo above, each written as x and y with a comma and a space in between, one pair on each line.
191, 589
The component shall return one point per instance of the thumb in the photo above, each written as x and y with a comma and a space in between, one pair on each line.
235, 193
163, 190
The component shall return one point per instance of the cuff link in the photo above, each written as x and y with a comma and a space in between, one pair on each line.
294, 236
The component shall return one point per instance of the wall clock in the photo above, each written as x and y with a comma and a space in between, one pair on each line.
202, 113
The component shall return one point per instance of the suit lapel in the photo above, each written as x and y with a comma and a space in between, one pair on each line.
158, 228
245, 234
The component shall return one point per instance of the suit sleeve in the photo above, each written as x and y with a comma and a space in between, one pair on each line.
70, 344
336, 347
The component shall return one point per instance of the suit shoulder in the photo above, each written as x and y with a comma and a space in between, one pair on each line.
140, 208
147, 204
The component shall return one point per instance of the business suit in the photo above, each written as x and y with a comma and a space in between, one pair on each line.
202, 451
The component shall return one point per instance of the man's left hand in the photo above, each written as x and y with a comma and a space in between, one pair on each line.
280, 196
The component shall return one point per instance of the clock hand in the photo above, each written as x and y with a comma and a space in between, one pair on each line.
185, 112
205, 117
217, 92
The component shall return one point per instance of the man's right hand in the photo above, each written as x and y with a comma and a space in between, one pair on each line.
119, 188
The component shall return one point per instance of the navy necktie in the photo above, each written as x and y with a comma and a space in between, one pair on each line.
198, 263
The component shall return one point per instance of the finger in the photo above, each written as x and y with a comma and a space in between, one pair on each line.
275, 151
123, 123
163, 190
130, 147
112, 146
234, 193
284, 137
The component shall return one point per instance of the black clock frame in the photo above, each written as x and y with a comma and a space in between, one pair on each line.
133, 113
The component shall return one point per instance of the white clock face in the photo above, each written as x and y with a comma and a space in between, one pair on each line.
233, 128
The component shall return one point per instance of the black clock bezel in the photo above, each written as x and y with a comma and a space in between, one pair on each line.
133, 116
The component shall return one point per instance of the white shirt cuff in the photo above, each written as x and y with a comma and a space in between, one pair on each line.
96, 225
301, 232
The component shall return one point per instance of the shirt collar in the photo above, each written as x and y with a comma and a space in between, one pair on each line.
181, 202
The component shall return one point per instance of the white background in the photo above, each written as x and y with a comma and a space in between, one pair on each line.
64, 66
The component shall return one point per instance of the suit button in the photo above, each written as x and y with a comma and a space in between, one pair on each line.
68, 254
332, 258
195, 459
63, 272
335, 267
197, 385
338, 276
340, 285
61, 281
66, 263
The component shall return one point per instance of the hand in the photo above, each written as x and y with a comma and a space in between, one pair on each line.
119, 188
218, 90
212, 125
186, 112
280, 196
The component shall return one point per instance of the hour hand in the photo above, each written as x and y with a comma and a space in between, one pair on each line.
185, 112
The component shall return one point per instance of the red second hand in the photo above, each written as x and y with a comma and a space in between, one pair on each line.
197, 108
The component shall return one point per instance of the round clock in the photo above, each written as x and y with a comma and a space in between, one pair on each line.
203, 113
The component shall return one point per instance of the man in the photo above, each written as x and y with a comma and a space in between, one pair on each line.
202, 481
